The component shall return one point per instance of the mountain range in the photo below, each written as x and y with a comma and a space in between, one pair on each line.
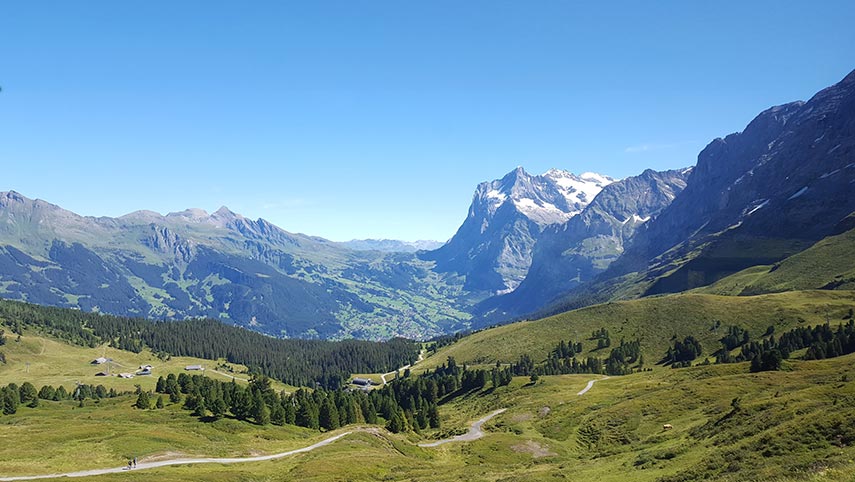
494, 244
529, 243
392, 245
754, 198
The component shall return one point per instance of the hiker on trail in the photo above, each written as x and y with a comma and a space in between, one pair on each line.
135, 462
130, 464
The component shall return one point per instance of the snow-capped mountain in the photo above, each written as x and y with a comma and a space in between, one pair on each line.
574, 252
492, 248
550, 198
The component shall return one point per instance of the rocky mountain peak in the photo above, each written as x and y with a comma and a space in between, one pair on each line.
9, 197
493, 246
549, 198
194, 215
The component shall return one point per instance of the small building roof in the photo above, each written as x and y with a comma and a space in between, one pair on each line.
193, 367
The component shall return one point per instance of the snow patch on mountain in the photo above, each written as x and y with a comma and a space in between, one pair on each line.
637, 219
578, 190
798, 193
550, 198
762, 204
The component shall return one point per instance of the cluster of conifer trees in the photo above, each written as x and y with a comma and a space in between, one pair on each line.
683, 352
562, 359
602, 337
296, 362
405, 404
12, 396
259, 403
821, 341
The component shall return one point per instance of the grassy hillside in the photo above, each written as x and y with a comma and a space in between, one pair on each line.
829, 264
797, 424
653, 320
45, 361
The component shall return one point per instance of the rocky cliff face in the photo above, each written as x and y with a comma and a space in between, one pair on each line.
757, 196
493, 246
574, 252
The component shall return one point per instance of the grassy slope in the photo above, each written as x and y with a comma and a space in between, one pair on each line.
797, 424
53, 362
830, 262
653, 320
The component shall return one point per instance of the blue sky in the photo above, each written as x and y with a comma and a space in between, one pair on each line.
359, 119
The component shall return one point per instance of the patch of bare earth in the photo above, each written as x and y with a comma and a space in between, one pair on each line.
163, 456
535, 449
522, 417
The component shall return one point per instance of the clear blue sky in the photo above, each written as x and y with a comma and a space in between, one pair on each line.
362, 119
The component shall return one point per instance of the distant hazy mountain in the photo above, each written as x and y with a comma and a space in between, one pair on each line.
221, 265
391, 245
492, 248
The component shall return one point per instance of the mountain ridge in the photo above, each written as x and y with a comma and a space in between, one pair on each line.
493, 245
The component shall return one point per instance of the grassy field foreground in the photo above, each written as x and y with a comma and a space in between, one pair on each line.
797, 424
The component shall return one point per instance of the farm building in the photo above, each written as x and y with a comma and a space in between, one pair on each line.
362, 382
126, 375
193, 368
101, 361
102, 374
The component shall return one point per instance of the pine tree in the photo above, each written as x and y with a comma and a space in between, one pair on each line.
200, 410
241, 404
161, 385
328, 416
277, 414
47, 392
218, 408
395, 424
27, 394
307, 414
143, 401
260, 410
433, 416
290, 412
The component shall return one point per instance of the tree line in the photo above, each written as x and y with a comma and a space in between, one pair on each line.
402, 405
13, 396
562, 360
767, 353
822, 341
297, 362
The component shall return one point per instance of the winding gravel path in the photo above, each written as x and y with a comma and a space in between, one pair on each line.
474, 432
164, 463
589, 385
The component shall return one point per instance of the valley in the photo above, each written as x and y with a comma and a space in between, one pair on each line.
466, 241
